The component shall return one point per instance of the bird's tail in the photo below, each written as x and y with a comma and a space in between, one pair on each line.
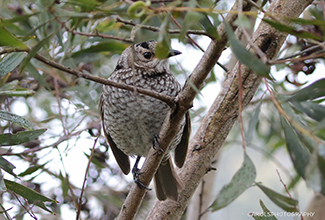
167, 183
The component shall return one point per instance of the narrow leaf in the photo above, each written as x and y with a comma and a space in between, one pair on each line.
95, 161
112, 47
313, 110
35, 49
4, 115
313, 174
252, 124
208, 26
242, 180
191, 18
31, 170
7, 166
23, 92
298, 153
32, 196
163, 45
286, 203
245, 57
9, 62
291, 30
64, 184
36, 75
7, 39
2, 183
20, 137
266, 215
313, 91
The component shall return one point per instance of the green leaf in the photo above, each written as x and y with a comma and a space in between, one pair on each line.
9, 62
208, 26
95, 161
137, 9
7, 166
20, 137
313, 110
163, 45
321, 167
35, 49
36, 75
2, 183
4, 115
7, 39
14, 92
245, 57
65, 185
307, 21
242, 180
32, 196
111, 47
286, 203
31, 170
313, 91
191, 18
61, 12
243, 21
298, 153
86, 3
313, 174
291, 30
252, 124
266, 215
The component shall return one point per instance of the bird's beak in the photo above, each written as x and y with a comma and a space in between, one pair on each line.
173, 53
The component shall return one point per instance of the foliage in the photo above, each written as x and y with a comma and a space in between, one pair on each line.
47, 114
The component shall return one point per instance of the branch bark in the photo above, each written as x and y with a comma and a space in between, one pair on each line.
165, 98
170, 126
224, 112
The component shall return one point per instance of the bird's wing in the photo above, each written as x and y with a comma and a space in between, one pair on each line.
121, 158
181, 148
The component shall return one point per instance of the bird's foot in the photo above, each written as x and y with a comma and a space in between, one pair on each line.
155, 144
136, 173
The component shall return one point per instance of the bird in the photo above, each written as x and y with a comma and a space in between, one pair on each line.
131, 121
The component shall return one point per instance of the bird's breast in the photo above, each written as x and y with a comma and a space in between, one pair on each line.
131, 118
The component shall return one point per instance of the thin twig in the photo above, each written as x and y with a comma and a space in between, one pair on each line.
289, 58
286, 188
85, 178
97, 34
159, 1
156, 29
61, 139
287, 117
165, 98
251, 43
57, 96
27, 208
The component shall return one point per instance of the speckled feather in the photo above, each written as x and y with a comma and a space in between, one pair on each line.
130, 119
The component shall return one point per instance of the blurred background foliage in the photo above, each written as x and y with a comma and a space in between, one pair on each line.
49, 119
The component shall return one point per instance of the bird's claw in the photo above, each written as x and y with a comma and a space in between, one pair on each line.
136, 173
155, 144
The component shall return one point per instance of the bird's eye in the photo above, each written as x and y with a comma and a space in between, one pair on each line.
147, 55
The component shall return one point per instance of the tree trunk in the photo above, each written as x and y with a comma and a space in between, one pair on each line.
223, 113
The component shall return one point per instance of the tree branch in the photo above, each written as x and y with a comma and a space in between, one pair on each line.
224, 112
170, 127
165, 98
156, 29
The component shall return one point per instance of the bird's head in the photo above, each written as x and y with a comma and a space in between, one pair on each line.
144, 58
